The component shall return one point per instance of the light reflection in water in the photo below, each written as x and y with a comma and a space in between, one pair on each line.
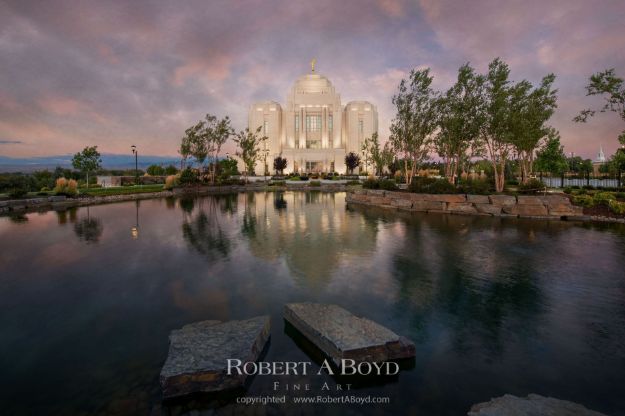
495, 306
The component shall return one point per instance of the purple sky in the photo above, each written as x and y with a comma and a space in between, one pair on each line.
112, 74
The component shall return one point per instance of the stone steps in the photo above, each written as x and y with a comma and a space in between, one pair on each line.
342, 335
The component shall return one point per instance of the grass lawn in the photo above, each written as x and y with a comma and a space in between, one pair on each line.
121, 190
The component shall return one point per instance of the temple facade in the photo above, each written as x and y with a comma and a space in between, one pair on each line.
313, 131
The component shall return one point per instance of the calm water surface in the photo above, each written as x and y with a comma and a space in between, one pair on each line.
494, 306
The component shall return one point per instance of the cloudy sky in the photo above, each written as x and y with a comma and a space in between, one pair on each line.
112, 74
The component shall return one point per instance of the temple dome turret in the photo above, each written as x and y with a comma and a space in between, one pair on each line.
312, 83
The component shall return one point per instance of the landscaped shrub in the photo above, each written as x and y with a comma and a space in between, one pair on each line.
303, 178
532, 186
568, 190
16, 186
583, 200
188, 177
588, 187
351, 183
476, 187
66, 187
314, 183
617, 207
370, 184
620, 195
279, 183
388, 184
427, 185
232, 181
17, 192
170, 182
603, 198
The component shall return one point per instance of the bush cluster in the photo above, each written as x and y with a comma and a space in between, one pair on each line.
427, 185
601, 198
314, 183
170, 182
583, 200
476, 187
617, 207
188, 177
386, 184
532, 186
66, 187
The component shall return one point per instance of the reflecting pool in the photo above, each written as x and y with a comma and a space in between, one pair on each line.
88, 297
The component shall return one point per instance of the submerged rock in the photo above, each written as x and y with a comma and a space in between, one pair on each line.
198, 354
532, 405
342, 335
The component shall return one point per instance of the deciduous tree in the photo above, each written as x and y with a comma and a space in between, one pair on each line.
495, 131
279, 164
205, 139
415, 119
459, 120
87, 161
550, 158
352, 160
612, 88
530, 109
250, 148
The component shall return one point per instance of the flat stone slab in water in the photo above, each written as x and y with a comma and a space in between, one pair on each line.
198, 354
532, 405
342, 335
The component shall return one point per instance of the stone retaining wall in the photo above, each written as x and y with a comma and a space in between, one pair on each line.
542, 207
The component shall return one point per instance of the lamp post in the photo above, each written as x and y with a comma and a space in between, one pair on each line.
136, 153
620, 164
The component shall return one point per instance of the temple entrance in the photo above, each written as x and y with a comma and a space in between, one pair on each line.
314, 166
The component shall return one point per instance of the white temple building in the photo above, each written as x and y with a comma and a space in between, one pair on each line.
314, 131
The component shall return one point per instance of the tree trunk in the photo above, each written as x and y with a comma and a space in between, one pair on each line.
406, 171
87, 179
499, 173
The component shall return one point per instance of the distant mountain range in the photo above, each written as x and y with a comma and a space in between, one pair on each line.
109, 161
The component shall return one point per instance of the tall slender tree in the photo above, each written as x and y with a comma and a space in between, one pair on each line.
459, 120
367, 152
250, 148
415, 120
495, 130
530, 109
218, 132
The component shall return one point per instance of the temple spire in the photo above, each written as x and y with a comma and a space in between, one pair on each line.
312, 64
600, 155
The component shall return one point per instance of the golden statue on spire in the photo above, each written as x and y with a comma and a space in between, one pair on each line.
312, 64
